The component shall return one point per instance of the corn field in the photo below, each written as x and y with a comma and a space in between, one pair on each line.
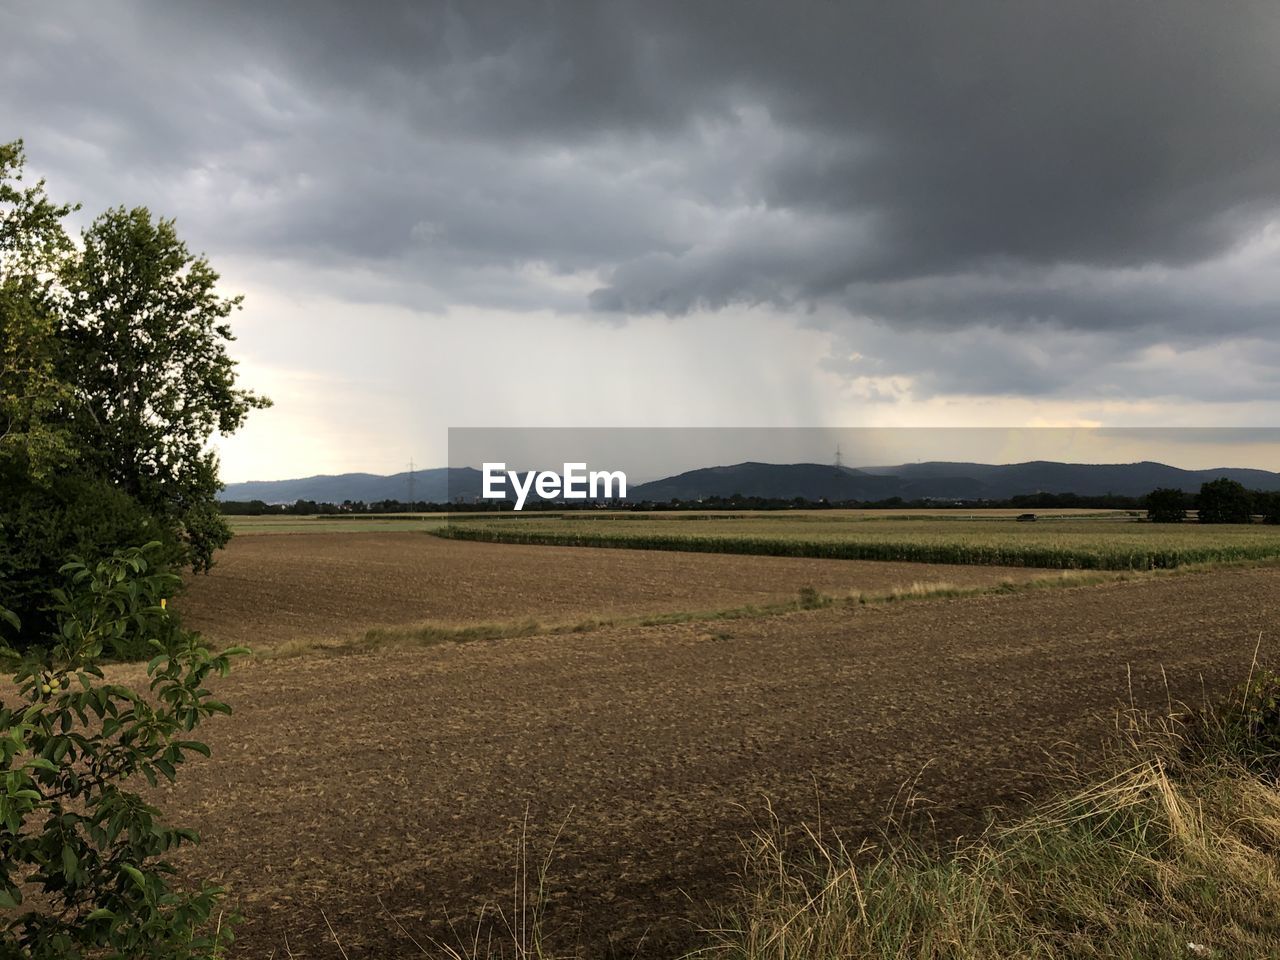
1070, 544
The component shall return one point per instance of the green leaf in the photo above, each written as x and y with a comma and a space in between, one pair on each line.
69, 862
135, 875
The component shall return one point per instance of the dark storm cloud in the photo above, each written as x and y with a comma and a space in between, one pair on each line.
1033, 167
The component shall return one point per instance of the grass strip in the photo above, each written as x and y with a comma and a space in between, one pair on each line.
807, 598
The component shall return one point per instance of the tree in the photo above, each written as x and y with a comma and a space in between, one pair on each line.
114, 375
33, 249
144, 342
1166, 505
1224, 501
1269, 506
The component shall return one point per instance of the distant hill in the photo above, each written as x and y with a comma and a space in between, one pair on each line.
812, 481
438, 485
785, 481
1000, 481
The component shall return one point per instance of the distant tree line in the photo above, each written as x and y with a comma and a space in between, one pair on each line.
1221, 501
359, 508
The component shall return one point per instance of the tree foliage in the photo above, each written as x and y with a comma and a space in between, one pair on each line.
1224, 501
114, 376
33, 250
1166, 505
70, 743
68, 515
1268, 505
144, 341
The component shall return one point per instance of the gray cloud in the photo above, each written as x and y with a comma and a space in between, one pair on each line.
1084, 174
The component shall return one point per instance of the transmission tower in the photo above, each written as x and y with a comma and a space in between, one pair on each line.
411, 500
839, 461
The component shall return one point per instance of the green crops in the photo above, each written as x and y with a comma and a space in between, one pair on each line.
1094, 544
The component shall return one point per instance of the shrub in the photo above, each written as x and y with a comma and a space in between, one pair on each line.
44, 523
90, 850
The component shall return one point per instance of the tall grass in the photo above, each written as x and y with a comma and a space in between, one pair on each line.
1175, 854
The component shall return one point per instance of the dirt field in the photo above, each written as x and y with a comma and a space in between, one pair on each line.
362, 788
267, 589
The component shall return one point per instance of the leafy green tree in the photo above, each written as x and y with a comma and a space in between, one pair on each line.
70, 742
144, 342
1166, 505
113, 377
33, 250
1269, 506
1224, 501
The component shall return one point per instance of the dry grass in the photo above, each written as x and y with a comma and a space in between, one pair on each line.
1175, 854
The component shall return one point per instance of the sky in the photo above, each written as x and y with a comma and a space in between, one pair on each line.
661, 213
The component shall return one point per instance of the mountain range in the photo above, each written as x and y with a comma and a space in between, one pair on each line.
944, 480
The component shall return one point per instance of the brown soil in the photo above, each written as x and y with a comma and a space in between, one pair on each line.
367, 787
268, 589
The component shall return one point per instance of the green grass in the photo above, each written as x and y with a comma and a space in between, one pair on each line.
1175, 853
1108, 542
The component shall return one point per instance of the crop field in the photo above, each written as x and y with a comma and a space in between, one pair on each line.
361, 804
607, 768
315, 585
343, 524
1100, 542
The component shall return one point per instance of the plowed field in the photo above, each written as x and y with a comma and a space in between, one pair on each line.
398, 784
270, 589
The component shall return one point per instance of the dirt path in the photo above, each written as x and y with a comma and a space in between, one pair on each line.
405, 777
272, 589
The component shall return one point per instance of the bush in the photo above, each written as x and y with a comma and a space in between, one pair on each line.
1166, 505
68, 827
44, 523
